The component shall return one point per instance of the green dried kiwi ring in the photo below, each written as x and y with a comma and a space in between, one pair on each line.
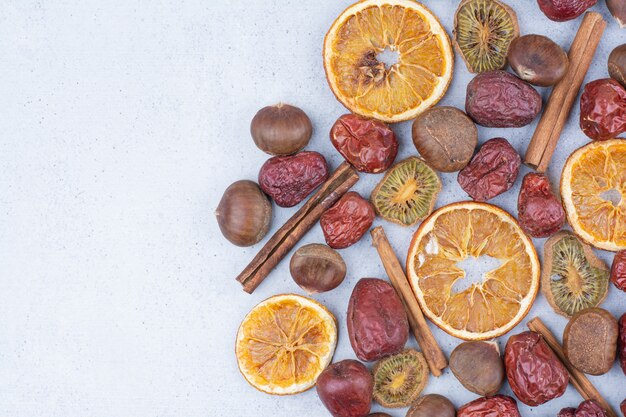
399, 379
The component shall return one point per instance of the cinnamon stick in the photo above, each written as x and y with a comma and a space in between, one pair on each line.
285, 238
576, 378
564, 93
432, 352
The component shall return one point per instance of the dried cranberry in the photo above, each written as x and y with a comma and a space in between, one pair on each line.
567, 412
618, 270
534, 372
500, 99
562, 10
621, 343
368, 144
496, 406
377, 323
540, 212
492, 171
289, 179
347, 221
603, 109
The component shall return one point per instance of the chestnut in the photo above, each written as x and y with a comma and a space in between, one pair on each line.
478, 367
345, 389
538, 60
618, 10
617, 64
281, 129
317, 268
432, 405
244, 213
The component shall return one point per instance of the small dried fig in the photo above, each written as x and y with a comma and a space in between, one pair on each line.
281, 129
538, 60
346, 222
432, 405
244, 213
603, 109
618, 10
562, 10
317, 268
345, 389
496, 406
539, 211
478, 366
617, 61
445, 137
590, 341
618, 270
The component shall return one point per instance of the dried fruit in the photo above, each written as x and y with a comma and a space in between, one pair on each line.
567, 412
621, 343
538, 60
539, 212
281, 363
478, 366
345, 389
492, 171
290, 179
244, 213
377, 323
500, 99
317, 268
592, 193
496, 406
573, 278
617, 62
622, 407
378, 415
534, 372
445, 137
562, 10
483, 31
448, 293
407, 193
368, 83
590, 341
588, 408
347, 221
368, 144
399, 379
618, 270
618, 10
603, 109
281, 129
431, 405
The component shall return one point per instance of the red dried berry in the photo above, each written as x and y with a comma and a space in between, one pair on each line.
621, 343
368, 144
540, 213
590, 408
347, 221
496, 406
492, 171
562, 10
290, 179
603, 109
618, 270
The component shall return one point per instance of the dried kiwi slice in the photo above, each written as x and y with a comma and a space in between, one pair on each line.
573, 278
407, 193
483, 32
399, 379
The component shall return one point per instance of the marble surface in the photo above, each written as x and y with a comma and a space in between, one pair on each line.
121, 124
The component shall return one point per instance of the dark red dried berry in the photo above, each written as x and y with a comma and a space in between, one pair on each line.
369, 145
603, 109
290, 179
618, 270
347, 221
562, 10
492, 171
540, 213
496, 406
621, 343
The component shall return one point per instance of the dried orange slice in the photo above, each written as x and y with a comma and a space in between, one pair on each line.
284, 343
396, 91
496, 301
593, 189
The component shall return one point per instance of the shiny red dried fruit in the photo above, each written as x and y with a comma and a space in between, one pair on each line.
622, 407
618, 270
347, 221
492, 171
377, 323
496, 406
562, 10
540, 213
290, 179
621, 343
500, 99
567, 412
534, 372
590, 408
369, 145
345, 389
603, 109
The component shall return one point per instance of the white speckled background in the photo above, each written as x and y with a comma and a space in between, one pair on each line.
121, 123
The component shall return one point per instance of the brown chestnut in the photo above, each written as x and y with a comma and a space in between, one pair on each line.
618, 10
281, 129
617, 64
432, 405
538, 60
478, 366
445, 137
317, 268
244, 213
